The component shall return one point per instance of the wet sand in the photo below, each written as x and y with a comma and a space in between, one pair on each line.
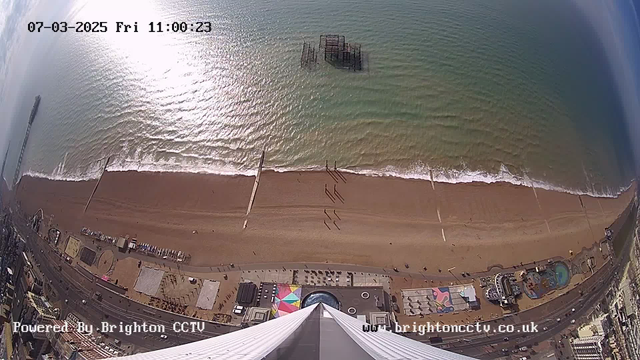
383, 221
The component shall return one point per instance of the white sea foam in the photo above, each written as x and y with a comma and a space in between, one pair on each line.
468, 176
59, 177
148, 163
62, 174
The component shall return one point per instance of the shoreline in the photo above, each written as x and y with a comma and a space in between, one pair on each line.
383, 222
431, 175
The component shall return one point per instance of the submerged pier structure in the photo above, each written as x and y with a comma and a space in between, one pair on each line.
309, 58
337, 52
32, 117
340, 54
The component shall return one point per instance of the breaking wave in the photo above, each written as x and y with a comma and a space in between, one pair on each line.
418, 172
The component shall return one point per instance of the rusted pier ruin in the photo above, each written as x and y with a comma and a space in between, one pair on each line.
337, 52
340, 54
309, 57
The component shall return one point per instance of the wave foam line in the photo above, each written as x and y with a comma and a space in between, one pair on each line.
419, 173
470, 176
60, 177
169, 166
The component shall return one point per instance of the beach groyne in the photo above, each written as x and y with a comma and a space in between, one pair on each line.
252, 199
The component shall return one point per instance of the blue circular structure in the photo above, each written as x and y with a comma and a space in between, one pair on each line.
562, 274
321, 297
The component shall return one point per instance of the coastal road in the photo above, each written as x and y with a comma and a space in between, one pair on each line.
72, 285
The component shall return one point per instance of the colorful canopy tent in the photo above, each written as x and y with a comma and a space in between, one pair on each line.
286, 300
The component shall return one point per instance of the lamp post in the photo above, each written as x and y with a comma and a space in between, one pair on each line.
450, 272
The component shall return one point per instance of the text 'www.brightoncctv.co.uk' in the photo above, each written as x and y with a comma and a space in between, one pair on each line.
438, 328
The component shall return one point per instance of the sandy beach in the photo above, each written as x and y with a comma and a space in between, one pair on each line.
382, 221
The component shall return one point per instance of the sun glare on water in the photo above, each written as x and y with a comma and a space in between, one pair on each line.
159, 58
165, 70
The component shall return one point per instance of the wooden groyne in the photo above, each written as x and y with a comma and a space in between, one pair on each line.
104, 168
255, 190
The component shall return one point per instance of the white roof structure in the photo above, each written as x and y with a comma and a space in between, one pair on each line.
469, 292
208, 294
588, 348
324, 333
149, 281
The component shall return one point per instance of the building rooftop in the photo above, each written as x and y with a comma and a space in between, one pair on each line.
41, 305
256, 315
362, 299
438, 300
379, 318
72, 340
588, 340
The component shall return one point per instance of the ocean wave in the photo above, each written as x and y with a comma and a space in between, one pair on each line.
59, 177
470, 176
60, 173
417, 172
148, 163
